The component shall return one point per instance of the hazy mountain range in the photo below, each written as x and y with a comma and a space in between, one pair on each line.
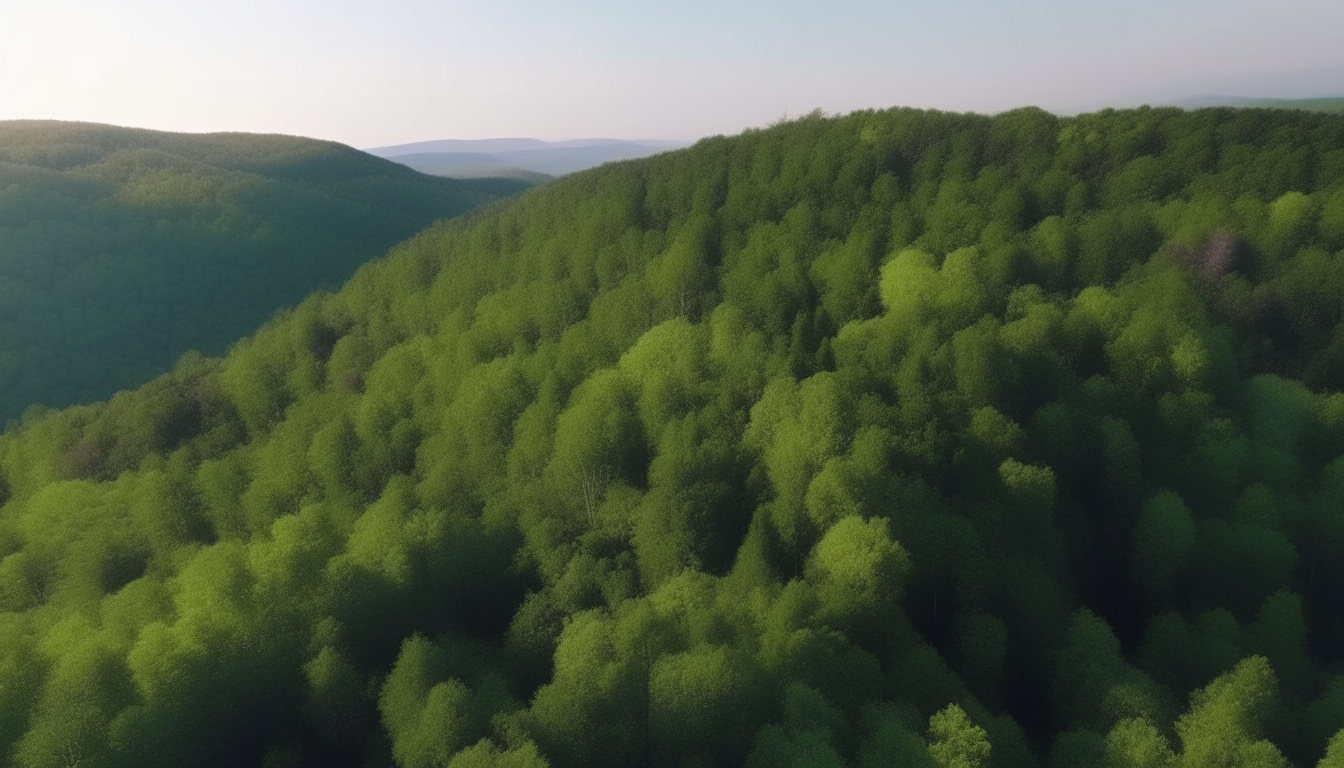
535, 160
465, 158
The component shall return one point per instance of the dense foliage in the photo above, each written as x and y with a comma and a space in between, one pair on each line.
903, 438
121, 249
1326, 104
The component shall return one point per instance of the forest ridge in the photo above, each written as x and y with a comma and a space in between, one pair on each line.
897, 438
121, 249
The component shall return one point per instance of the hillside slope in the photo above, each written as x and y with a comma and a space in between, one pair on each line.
120, 249
900, 438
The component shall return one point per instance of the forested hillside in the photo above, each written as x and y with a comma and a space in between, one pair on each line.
121, 249
899, 438
1326, 104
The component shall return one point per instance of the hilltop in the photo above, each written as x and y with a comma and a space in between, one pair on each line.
121, 248
896, 438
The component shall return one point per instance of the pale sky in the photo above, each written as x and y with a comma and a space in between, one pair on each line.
396, 71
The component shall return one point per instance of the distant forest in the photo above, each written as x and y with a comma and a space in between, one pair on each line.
901, 438
1329, 104
121, 249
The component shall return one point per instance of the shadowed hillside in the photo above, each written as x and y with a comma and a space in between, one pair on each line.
901, 438
120, 249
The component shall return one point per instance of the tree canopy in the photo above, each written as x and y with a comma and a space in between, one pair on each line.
892, 438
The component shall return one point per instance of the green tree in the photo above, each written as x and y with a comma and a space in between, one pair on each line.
1094, 685
79, 697
702, 700
1334, 752
857, 569
892, 739
1163, 540
485, 754
1135, 743
956, 742
1226, 718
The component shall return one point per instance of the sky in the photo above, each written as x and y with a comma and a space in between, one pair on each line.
372, 74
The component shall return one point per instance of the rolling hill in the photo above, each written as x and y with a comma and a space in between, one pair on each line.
897, 438
121, 249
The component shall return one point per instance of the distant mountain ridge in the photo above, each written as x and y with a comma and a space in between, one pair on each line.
475, 157
508, 145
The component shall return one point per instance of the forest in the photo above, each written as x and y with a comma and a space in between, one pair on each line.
898, 438
122, 249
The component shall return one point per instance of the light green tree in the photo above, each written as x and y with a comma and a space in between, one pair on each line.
956, 742
1223, 725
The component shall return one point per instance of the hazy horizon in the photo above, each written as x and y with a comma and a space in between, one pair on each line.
412, 71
